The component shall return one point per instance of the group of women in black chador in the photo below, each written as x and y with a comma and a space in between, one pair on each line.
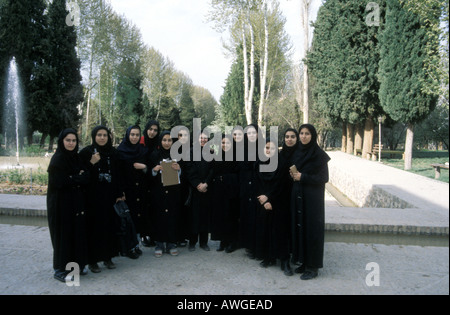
277, 215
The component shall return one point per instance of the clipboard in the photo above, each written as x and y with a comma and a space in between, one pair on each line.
169, 177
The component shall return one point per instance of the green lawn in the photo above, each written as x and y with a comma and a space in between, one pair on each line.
421, 164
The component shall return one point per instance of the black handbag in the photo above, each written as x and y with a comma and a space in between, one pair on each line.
127, 231
121, 209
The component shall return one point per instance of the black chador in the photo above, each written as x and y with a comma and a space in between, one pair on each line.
308, 204
247, 195
66, 208
101, 160
273, 219
225, 199
165, 202
135, 180
200, 173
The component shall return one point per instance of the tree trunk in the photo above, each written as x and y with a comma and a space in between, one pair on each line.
263, 73
409, 146
344, 137
304, 16
42, 142
359, 134
247, 106
252, 76
350, 138
368, 137
50, 144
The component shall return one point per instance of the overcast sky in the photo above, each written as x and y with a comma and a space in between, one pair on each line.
178, 29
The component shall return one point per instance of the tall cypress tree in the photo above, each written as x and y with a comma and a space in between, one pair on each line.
403, 69
65, 65
344, 63
187, 110
232, 99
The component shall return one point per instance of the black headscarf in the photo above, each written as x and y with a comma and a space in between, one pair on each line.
310, 157
64, 158
160, 154
287, 152
267, 175
131, 152
163, 153
151, 144
253, 155
107, 149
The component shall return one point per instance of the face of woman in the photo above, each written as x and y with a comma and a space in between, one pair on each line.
252, 135
238, 135
152, 132
290, 138
70, 142
183, 136
305, 136
101, 138
135, 136
203, 139
270, 149
166, 142
226, 144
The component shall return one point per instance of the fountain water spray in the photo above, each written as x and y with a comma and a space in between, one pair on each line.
13, 104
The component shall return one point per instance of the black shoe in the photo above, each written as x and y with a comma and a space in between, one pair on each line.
146, 241
229, 249
309, 274
205, 247
61, 275
286, 268
138, 250
132, 254
191, 248
94, 268
266, 263
300, 269
109, 264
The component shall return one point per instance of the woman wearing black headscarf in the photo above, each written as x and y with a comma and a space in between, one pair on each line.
248, 200
225, 196
101, 160
150, 140
133, 159
200, 176
165, 200
66, 208
308, 203
273, 217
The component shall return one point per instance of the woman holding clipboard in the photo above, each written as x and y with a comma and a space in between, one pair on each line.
165, 198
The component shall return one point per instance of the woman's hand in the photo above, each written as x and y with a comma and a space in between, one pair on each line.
157, 168
202, 187
95, 158
140, 166
263, 199
176, 166
296, 176
268, 206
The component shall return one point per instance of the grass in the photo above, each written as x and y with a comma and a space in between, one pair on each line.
30, 178
421, 164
